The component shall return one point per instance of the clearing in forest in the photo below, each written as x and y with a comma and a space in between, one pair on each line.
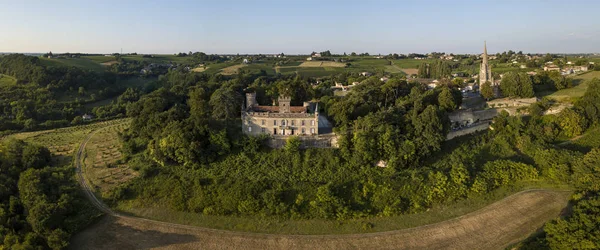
63, 142
494, 227
232, 70
102, 166
6, 80
199, 69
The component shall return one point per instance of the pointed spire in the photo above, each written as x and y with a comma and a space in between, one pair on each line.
485, 58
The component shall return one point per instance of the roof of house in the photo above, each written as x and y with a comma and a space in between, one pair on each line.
275, 109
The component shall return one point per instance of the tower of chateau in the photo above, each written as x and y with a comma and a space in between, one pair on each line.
485, 73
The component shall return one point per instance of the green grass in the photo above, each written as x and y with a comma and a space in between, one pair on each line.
278, 226
410, 63
580, 82
100, 59
590, 139
83, 63
6, 80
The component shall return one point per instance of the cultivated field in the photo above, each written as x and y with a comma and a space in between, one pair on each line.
63, 142
322, 64
102, 167
232, 70
493, 227
83, 63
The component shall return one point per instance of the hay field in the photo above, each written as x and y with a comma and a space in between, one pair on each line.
322, 64
494, 227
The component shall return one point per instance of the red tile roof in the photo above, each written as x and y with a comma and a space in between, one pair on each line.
275, 109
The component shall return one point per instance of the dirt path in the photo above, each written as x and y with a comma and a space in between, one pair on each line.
493, 227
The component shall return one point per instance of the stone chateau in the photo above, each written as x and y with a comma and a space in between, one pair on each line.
280, 121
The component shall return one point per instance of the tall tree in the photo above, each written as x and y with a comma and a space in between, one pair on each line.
486, 90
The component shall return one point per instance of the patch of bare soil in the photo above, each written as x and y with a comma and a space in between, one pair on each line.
411, 71
109, 63
493, 227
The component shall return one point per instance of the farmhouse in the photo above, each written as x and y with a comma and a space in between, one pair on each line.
551, 68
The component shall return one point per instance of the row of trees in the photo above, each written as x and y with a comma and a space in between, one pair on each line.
437, 69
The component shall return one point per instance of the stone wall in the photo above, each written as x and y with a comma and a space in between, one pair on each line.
469, 130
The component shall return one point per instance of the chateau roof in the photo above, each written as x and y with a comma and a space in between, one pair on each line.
275, 109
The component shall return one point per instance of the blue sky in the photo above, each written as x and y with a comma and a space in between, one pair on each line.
293, 27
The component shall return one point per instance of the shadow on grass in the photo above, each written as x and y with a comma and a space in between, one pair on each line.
110, 233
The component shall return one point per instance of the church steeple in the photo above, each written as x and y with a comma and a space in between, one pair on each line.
485, 73
485, 58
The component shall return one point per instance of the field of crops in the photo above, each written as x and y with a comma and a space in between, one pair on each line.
63, 142
83, 63
102, 166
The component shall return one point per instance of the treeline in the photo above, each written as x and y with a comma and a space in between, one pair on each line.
48, 97
40, 206
436, 70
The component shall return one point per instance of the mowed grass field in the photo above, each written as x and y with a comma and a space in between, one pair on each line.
580, 86
496, 226
83, 63
6, 80
102, 166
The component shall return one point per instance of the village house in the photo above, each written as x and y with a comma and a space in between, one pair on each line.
551, 67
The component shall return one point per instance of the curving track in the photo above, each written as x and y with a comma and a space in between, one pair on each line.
493, 227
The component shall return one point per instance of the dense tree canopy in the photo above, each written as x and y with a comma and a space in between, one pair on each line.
516, 85
41, 206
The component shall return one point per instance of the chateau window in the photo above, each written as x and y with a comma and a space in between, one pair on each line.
312, 123
263, 130
274, 122
282, 122
263, 122
302, 122
274, 131
312, 130
303, 131
293, 122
